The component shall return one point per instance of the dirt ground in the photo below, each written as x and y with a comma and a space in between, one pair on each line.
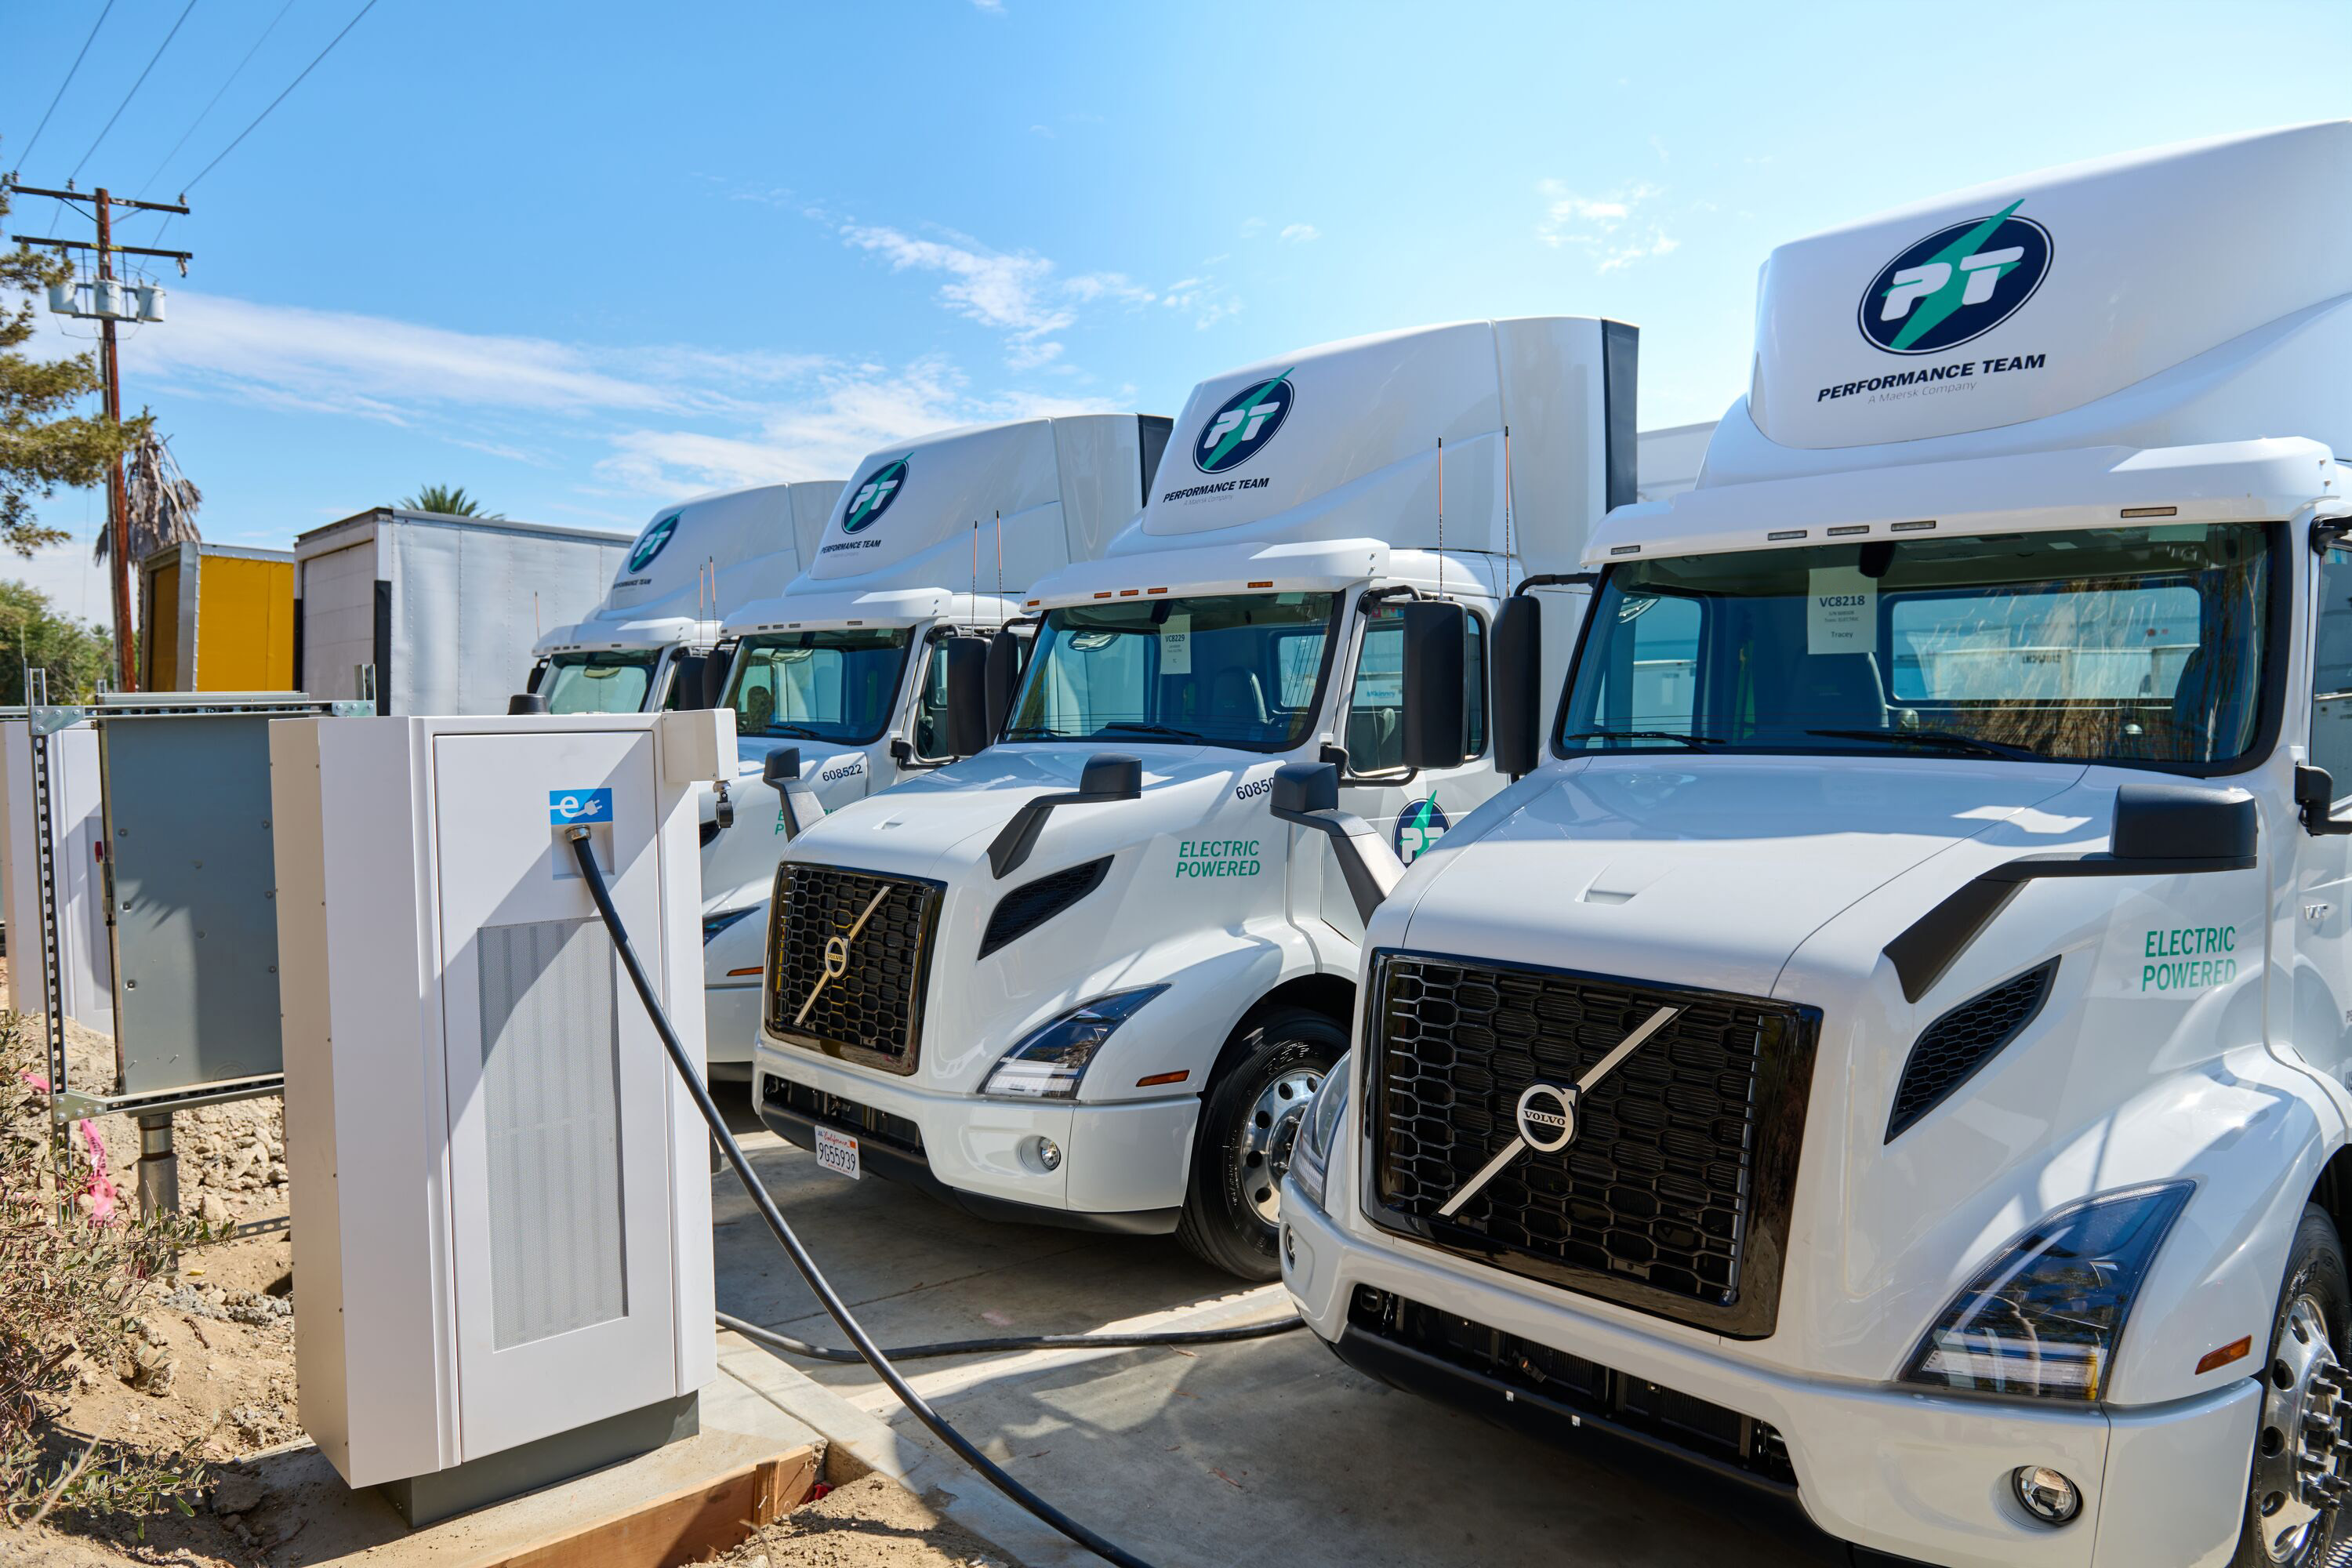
217, 1378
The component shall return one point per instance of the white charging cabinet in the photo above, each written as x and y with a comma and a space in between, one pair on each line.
500, 1192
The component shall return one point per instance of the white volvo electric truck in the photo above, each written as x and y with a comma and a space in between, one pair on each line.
645, 648
1078, 978
1891, 1045
839, 682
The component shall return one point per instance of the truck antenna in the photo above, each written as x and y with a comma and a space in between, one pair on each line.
999, 569
975, 568
1441, 517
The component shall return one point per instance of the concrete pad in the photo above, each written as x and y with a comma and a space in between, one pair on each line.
1246, 1453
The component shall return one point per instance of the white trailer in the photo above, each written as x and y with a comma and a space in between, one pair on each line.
1078, 978
843, 675
645, 646
443, 610
1892, 1046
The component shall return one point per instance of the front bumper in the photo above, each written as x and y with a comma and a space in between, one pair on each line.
1914, 1475
1123, 1166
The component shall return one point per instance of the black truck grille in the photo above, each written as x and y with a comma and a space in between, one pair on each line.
849, 956
1672, 1197
846, 1115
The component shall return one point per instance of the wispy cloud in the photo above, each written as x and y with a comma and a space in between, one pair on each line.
1007, 292
655, 421
989, 7
1617, 229
1299, 233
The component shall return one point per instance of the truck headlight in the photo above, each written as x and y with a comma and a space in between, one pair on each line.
1048, 1062
2042, 1319
1319, 1129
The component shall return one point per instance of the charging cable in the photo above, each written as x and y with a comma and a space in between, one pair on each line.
873, 1354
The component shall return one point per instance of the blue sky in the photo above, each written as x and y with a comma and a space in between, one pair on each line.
584, 259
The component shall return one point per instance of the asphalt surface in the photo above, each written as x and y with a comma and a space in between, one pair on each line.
1267, 1450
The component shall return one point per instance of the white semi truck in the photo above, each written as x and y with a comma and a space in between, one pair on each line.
1891, 1045
839, 682
646, 646
1077, 978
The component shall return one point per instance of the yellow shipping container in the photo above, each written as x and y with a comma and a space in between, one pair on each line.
217, 618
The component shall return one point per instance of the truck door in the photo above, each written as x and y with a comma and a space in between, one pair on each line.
1413, 808
2321, 894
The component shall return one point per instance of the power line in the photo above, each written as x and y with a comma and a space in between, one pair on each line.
280, 97
149, 181
85, 43
134, 87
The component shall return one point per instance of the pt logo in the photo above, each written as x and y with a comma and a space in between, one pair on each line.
1419, 827
874, 497
1955, 285
1246, 422
649, 543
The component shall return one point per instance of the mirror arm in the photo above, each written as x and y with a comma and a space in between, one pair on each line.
2315, 800
1557, 580
1367, 863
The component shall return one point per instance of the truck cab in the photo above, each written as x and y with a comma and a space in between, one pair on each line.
1890, 1044
1078, 978
645, 648
840, 683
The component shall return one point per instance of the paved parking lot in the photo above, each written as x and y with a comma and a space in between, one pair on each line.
1263, 1452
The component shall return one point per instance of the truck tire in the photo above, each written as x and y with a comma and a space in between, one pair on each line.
2282, 1529
1249, 1118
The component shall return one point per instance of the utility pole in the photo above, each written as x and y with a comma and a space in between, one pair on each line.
118, 510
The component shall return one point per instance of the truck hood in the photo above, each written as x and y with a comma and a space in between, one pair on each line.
941, 824
1700, 871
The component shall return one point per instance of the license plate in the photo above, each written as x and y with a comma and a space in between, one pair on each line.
838, 1152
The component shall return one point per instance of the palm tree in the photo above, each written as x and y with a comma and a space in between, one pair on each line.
450, 500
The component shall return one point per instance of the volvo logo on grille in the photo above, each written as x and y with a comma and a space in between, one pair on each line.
1547, 1118
1546, 1114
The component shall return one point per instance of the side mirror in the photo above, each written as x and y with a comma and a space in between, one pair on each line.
1519, 685
1303, 787
2314, 798
1435, 719
715, 666
967, 715
538, 674
2184, 822
782, 767
1003, 678
689, 681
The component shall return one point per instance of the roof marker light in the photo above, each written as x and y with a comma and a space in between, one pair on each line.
1129, 593
1624, 549
1155, 590
1909, 527
2236, 1350
1268, 584
1104, 594
1849, 528
1786, 533
2151, 511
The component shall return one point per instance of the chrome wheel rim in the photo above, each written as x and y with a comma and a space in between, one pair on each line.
2300, 1474
1262, 1154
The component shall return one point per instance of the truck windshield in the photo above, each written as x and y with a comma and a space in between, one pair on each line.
838, 685
1226, 669
598, 682
2144, 646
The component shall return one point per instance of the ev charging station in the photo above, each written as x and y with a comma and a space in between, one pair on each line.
501, 1203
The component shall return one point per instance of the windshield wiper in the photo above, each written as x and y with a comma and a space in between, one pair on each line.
797, 732
1142, 728
1949, 739
1692, 743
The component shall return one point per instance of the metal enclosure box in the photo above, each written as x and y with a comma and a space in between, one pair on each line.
446, 609
217, 618
501, 1205
76, 842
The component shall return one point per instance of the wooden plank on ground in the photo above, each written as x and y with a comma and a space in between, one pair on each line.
685, 1525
